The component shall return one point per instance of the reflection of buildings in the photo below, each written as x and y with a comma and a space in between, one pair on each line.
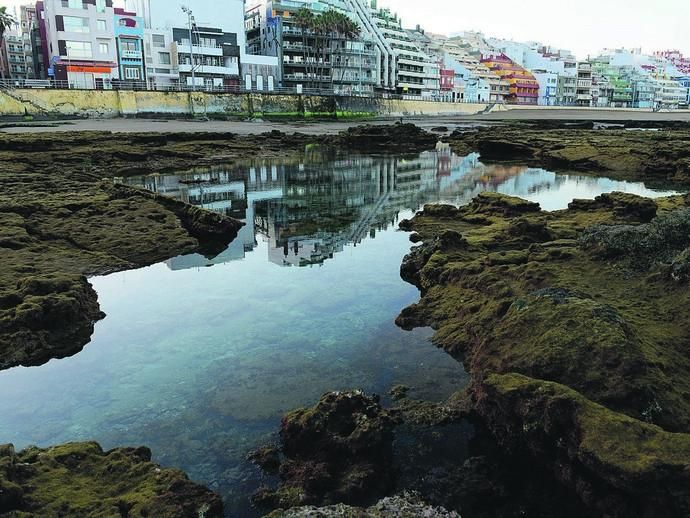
310, 210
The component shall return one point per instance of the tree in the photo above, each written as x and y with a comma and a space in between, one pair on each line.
305, 21
347, 29
319, 33
6, 23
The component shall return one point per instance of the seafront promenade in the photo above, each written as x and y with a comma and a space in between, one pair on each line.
320, 126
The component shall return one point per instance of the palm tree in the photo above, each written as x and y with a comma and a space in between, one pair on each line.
304, 19
6, 23
343, 27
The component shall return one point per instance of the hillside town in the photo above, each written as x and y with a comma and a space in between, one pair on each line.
342, 47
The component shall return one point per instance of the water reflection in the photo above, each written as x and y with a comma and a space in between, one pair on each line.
309, 209
199, 363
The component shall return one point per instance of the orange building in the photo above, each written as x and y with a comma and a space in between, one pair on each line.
524, 88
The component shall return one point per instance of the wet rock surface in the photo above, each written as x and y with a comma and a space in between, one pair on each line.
339, 451
661, 156
407, 505
574, 336
436, 452
386, 139
80, 479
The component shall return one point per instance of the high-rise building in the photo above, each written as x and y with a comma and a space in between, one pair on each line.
32, 42
14, 57
342, 62
384, 57
78, 41
214, 56
416, 73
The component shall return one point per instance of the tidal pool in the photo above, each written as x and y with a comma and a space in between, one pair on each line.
198, 358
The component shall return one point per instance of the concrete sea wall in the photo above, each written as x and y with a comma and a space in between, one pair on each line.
46, 103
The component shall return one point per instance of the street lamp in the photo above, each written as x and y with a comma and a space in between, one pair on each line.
190, 20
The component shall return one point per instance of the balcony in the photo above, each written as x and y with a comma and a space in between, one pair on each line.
302, 64
199, 50
210, 69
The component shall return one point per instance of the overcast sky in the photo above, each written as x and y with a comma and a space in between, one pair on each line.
583, 26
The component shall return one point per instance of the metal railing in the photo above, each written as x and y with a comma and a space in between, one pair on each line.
113, 84
339, 91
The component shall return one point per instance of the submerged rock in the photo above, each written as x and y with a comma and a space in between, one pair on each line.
80, 479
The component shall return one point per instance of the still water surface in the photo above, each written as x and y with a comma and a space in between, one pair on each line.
198, 358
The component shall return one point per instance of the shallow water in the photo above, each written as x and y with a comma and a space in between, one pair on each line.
199, 362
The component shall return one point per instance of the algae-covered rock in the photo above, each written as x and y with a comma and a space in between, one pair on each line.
590, 298
660, 156
46, 317
618, 465
407, 138
80, 479
339, 451
655, 243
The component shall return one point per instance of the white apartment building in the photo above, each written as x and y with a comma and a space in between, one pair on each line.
669, 93
162, 70
583, 93
548, 87
80, 43
416, 73
162, 16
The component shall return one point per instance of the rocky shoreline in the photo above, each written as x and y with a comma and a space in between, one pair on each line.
573, 325
80, 479
658, 153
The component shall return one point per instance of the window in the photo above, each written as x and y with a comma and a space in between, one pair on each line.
129, 45
78, 49
164, 58
103, 47
75, 24
73, 4
207, 42
158, 40
132, 73
101, 25
100, 6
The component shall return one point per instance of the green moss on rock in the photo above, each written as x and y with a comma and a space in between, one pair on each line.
548, 296
80, 479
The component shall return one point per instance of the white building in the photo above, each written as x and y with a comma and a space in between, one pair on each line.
548, 87
162, 16
80, 43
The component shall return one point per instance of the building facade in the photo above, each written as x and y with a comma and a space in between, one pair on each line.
14, 57
78, 41
583, 92
548, 87
416, 73
523, 86
129, 43
210, 60
336, 62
